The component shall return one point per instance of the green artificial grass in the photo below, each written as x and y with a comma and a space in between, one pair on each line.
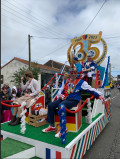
35, 157
37, 134
10, 147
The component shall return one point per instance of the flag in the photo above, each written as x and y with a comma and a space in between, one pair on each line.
51, 153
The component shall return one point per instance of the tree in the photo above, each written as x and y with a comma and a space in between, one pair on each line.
35, 69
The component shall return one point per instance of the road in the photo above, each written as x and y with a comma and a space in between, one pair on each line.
107, 145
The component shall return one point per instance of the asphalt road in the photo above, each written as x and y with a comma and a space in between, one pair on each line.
107, 145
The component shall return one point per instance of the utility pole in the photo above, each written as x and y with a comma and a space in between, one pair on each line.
29, 50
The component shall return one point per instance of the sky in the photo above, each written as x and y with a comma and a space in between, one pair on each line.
52, 24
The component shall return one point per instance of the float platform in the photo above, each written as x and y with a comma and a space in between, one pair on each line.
45, 145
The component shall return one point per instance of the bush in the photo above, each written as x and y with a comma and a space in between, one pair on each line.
17, 75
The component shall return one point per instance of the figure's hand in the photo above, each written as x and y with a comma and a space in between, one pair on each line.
62, 97
102, 99
27, 95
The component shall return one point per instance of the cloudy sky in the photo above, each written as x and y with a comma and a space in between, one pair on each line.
52, 24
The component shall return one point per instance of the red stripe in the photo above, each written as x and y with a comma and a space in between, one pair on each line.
70, 119
94, 133
100, 125
85, 144
48, 83
58, 155
57, 118
72, 151
105, 118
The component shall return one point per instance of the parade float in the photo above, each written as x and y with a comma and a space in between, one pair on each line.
84, 122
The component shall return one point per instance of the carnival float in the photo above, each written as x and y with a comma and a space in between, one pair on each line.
84, 122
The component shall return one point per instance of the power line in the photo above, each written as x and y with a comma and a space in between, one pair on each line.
57, 33
18, 21
55, 50
94, 17
36, 36
50, 38
8, 27
83, 32
21, 50
46, 21
24, 19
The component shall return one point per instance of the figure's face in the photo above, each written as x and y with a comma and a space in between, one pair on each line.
27, 78
89, 59
74, 61
73, 76
7, 85
66, 75
13, 90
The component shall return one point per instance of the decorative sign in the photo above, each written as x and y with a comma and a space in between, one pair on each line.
38, 105
85, 43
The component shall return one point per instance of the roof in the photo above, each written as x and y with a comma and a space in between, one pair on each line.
57, 65
32, 64
56, 62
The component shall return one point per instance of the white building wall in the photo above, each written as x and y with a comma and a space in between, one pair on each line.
8, 71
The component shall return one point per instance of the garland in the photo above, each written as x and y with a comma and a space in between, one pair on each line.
62, 117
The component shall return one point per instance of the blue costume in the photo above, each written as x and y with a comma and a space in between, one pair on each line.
91, 65
78, 67
72, 100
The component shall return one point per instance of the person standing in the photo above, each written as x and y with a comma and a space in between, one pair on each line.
89, 68
47, 96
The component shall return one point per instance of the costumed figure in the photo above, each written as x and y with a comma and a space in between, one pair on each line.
71, 100
89, 68
77, 65
32, 90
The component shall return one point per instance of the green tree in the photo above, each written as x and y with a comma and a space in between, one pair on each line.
17, 75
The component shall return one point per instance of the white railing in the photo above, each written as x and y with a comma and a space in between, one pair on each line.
23, 123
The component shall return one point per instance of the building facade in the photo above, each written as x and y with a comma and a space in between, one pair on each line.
46, 72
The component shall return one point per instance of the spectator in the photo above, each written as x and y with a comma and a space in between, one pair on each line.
5, 92
118, 86
19, 92
14, 93
52, 85
47, 95
6, 113
6, 89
